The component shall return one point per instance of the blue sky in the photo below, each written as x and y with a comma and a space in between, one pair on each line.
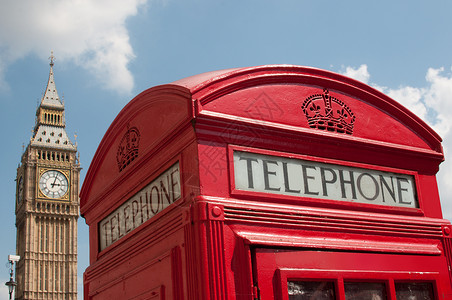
107, 51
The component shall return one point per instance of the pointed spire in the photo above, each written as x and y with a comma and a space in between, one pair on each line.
50, 98
49, 130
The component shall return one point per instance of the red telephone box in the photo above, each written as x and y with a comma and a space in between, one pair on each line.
271, 182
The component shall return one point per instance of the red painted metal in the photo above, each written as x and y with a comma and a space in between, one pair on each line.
216, 241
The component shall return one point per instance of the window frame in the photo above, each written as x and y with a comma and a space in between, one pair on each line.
338, 277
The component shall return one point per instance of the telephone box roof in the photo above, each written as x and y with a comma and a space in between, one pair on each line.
231, 95
212, 82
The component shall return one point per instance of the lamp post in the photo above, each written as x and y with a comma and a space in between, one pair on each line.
11, 284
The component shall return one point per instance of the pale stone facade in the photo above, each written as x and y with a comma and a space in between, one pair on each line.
47, 206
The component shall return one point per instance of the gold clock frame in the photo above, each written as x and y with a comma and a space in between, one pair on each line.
65, 172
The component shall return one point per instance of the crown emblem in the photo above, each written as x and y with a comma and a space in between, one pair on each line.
128, 148
328, 113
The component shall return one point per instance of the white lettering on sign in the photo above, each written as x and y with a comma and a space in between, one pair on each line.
303, 178
145, 204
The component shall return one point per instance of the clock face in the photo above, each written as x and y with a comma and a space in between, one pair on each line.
53, 184
20, 190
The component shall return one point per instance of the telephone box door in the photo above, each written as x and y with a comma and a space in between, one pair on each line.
343, 275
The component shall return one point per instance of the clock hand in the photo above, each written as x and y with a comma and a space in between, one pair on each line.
53, 184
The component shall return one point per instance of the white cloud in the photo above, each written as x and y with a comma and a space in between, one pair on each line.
410, 97
438, 97
91, 33
360, 74
433, 104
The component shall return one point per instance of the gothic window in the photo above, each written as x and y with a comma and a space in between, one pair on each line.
21, 238
57, 234
55, 277
47, 237
42, 238
62, 238
41, 275
62, 276
46, 280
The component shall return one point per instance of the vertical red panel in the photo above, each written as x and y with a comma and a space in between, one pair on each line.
447, 240
85, 289
176, 274
217, 273
209, 227
190, 258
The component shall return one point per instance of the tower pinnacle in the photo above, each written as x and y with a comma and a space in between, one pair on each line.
49, 130
52, 58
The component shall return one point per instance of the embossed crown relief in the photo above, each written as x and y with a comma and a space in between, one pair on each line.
128, 147
328, 113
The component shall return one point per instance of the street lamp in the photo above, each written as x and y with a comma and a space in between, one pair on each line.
11, 284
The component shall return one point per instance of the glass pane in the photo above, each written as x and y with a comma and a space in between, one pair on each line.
365, 291
318, 290
414, 291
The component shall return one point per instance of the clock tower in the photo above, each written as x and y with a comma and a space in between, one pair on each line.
47, 205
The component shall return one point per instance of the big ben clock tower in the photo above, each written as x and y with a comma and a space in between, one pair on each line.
47, 205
